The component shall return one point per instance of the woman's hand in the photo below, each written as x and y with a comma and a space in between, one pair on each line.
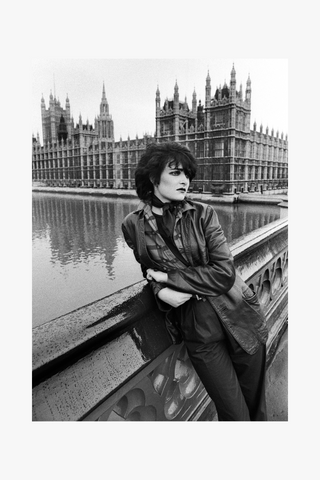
157, 275
173, 298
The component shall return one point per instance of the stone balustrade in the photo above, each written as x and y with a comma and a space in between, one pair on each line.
112, 360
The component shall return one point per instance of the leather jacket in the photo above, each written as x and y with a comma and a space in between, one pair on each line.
210, 275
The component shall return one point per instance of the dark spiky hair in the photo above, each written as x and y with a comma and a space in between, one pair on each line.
155, 159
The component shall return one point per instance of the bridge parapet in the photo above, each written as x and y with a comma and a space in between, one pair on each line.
112, 360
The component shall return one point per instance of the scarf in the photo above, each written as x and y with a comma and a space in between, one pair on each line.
169, 213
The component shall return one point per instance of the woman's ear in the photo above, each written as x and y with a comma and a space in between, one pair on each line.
152, 180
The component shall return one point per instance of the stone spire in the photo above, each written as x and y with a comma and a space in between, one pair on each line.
208, 90
176, 97
248, 91
104, 106
194, 101
233, 84
158, 98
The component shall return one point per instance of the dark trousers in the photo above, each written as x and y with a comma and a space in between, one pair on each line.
234, 380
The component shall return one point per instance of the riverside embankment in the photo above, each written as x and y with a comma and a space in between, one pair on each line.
254, 197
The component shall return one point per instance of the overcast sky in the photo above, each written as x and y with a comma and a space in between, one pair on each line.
131, 88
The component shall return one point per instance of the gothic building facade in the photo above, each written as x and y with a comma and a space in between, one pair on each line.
231, 157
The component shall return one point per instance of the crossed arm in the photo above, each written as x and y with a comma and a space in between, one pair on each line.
214, 278
166, 294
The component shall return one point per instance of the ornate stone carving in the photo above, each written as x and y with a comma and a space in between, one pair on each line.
169, 392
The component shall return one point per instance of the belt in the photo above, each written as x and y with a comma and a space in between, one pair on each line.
198, 297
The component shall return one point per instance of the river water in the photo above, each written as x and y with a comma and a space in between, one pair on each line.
78, 251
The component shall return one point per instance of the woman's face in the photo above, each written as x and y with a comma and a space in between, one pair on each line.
173, 185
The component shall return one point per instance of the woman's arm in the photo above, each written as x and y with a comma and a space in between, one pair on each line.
131, 244
173, 297
215, 278
165, 297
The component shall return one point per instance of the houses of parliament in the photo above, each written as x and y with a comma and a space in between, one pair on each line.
231, 157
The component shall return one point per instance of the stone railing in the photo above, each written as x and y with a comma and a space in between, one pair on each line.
112, 360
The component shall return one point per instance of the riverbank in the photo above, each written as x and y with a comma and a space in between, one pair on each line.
254, 197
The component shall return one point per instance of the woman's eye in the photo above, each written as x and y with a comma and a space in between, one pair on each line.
178, 172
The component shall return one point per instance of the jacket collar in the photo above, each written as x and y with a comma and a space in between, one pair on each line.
145, 208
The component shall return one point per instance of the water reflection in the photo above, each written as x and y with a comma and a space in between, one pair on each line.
238, 219
79, 228
79, 254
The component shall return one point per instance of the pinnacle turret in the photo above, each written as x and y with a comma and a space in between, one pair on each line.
176, 96
233, 73
248, 91
103, 92
104, 106
208, 90
233, 84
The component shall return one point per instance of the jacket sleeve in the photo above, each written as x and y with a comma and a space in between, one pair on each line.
155, 286
218, 275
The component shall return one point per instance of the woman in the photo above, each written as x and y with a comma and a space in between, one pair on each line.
184, 256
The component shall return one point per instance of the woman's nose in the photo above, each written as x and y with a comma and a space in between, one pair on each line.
184, 179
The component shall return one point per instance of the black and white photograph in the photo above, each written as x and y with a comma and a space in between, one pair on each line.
160, 245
